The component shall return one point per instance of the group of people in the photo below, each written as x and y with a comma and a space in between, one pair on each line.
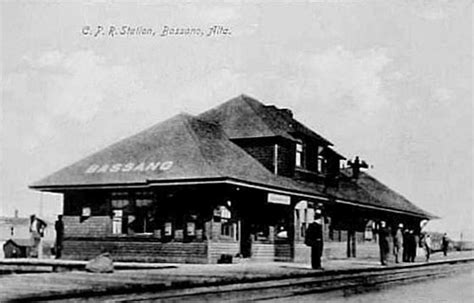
405, 242
37, 228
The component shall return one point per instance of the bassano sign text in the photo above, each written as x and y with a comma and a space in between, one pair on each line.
129, 167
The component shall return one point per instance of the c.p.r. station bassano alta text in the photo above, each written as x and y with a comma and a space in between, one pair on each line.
163, 31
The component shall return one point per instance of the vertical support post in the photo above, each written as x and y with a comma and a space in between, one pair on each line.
291, 228
348, 244
275, 159
351, 244
353, 236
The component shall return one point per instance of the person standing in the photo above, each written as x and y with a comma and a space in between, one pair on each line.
59, 227
406, 241
37, 227
415, 244
427, 246
411, 246
314, 239
445, 244
398, 243
384, 243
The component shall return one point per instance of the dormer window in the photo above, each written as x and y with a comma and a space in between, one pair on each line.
321, 160
299, 154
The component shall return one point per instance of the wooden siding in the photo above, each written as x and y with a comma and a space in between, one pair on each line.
282, 252
263, 152
99, 226
286, 160
263, 252
137, 251
216, 249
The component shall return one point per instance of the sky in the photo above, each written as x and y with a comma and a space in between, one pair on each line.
388, 81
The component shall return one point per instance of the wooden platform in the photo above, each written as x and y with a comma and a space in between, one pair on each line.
187, 280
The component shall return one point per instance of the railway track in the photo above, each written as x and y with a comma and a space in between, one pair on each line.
348, 281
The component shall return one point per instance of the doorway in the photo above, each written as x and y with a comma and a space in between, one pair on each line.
245, 239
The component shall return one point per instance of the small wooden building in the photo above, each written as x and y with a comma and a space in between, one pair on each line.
241, 179
17, 248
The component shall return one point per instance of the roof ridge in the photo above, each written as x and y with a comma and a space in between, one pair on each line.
194, 137
274, 112
246, 99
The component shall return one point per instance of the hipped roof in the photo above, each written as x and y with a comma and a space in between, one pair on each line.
202, 151
199, 151
368, 190
386, 196
244, 117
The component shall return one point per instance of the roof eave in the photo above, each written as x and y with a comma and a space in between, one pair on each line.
177, 182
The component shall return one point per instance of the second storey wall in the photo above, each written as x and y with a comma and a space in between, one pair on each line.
263, 150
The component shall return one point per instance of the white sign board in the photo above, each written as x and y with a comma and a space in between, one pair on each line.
279, 199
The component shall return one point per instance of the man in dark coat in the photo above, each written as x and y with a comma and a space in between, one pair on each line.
412, 245
384, 243
445, 244
314, 238
59, 226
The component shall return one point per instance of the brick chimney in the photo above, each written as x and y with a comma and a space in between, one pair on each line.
287, 112
284, 111
356, 166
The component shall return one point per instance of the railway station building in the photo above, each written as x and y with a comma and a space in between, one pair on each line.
241, 179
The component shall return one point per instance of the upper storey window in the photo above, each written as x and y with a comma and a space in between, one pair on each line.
299, 154
321, 160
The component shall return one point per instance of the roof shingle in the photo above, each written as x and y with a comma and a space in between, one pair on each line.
198, 148
245, 117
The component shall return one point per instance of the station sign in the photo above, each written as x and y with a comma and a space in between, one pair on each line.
279, 199
128, 167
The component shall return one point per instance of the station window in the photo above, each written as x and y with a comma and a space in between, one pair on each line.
303, 224
299, 154
191, 224
303, 216
331, 233
369, 231
227, 228
168, 229
262, 231
190, 229
223, 215
133, 214
120, 202
117, 221
142, 220
321, 160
